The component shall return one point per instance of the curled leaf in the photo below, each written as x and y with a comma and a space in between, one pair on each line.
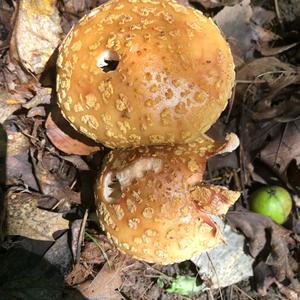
66, 143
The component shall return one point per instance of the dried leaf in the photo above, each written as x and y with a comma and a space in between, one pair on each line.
285, 111
79, 274
242, 25
77, 161
289, 11
264, 68
8, 105
287, 292
267, 51
269, 71
36, 33
64, 142
42, 96
104, 285
265, 277
50, 181
262, 16
18, 167
38, 111
98, 250
26, 219
256, 228
284, 148
76, 232
235, 23
293, 174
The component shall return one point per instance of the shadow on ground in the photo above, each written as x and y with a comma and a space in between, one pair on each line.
3, 154
24, 275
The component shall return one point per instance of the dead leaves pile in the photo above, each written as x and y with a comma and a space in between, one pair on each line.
48, 169
271, 244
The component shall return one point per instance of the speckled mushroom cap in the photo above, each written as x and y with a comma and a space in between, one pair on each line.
153, 206
142, 72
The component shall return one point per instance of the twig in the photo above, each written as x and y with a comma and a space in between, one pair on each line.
231, 102
279, 144
277, 10
147, 289
159, 272
242, 292
100, 247
81, 234
215, 271
211, 296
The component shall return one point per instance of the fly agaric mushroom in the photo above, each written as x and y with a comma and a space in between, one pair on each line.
143, 72
153, 205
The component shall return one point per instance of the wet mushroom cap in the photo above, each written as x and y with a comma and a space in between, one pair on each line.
132, 71
153, 205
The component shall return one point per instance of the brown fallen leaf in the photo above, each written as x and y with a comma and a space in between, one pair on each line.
9, 103
38, 111
235, 23
287, 292
79, 274
265, 277
266, 50
263, 69
66, 143
52, 178
284, 148
18, 167
36, 33
275, 249
243, 27
104, 285
293, 174
43, 96
26, 219
98, 249
259, 74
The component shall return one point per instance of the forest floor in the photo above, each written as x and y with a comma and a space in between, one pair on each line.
52, 245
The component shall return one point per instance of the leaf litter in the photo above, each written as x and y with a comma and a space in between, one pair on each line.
48, 169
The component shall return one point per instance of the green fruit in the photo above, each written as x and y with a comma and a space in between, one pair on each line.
272, 201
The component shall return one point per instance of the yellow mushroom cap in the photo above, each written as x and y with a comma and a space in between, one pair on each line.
153, 205
143, 72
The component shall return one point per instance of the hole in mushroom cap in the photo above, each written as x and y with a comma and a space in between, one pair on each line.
112, 188
108, 61
114, 182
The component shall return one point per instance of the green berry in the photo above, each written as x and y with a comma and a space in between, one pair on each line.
272, 201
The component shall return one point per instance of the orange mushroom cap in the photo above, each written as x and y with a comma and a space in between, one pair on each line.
143, 72
153, 204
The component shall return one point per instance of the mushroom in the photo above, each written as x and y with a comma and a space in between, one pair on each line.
153, 204
144, 72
